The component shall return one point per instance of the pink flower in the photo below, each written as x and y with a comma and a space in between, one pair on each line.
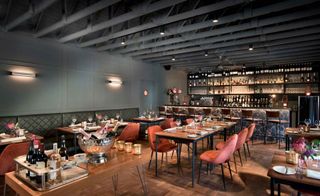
11, 125
99, 116
299, 145
174, 90
200, 117
179, 91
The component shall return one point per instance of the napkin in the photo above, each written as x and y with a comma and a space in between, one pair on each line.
203, 132
12, 139
171, 130
313, 174
94, 127
75, 125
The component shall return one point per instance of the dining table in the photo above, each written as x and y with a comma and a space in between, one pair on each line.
192, 135
291, 132
6, 139
299, 182
74, 130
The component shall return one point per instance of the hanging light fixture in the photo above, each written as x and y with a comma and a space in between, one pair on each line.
250, 47
123, 41
215, 20
308, 90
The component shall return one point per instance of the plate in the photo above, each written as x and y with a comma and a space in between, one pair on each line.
209, 129
192, 135
284, 170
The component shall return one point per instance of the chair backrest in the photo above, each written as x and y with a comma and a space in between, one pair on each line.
189, 120
251, 129
166, 123
246, 113
130, 133
242, 136
9, 154
152, 130
227, 150
173, 124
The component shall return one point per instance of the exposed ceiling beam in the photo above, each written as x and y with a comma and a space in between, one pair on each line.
167, 20
224, 34
77, 16
222, 20
136, 12
254, 40
33, 10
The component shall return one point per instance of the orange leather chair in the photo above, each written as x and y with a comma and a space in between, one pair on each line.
130, 133
242, 136
164, 145
251, 129
221, 156
9, 154
166, 123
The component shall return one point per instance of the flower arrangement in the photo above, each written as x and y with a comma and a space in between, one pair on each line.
305, 148
12, 127
99, 116
174, 91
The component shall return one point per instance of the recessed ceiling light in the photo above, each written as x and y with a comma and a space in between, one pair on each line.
215, 20
123, 43
161, 33
173, 58
206, 53
250, 47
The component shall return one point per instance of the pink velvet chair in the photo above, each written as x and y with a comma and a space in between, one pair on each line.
164, 145
251, 130
221, 156
9, 154
130, 133
242, 136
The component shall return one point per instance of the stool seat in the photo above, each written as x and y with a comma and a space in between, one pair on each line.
253, 119
279, 121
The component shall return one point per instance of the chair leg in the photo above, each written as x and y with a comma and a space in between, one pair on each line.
248, 149
188, 151
245, 153
150, 159
4, 189
240, 157
235, 162
224, 183
230, 170
172, 154
166, 158
161, 158
200, 165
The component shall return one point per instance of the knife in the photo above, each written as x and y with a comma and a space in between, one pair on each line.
286, 170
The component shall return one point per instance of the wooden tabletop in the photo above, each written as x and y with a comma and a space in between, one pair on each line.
28, 138
71, 129
295, 132
280, 159
148, 119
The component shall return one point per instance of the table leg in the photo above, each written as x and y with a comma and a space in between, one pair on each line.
157, 141
75, 143
193, 161
225, 134
287, 142
211, 142
271, 186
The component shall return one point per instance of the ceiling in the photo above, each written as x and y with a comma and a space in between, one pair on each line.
279, 31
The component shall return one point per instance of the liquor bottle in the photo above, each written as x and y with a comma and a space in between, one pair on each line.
63, 149
314, 78
302, 78
30, 153
55, 165
33, 160
41, 159
308, 78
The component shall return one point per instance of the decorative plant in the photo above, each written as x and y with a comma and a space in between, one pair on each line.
174, 91
305, 148
12, 127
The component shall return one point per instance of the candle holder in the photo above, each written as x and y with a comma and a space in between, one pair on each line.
128, 146
137, 149
120, 145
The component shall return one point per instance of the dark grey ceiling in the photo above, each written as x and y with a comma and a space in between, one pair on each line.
280, 31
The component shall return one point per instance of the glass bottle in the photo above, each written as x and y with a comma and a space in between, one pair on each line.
55, 165
63, 149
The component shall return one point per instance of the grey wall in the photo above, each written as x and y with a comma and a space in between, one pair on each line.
72, 79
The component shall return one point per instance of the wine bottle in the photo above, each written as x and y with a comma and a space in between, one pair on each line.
55, 165
63, 149
30, 153
40, 163
33, 160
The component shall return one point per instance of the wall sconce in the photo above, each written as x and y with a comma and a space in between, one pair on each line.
308, 90
115, 83
23, 74
145, 92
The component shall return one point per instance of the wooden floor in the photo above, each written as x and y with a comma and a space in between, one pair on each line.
250, 180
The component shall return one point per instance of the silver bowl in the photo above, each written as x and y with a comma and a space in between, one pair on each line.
96, 148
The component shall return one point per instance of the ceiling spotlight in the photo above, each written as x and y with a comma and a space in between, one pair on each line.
206, 53
215, 20
173, 58
123, 42
250, 47
162, 32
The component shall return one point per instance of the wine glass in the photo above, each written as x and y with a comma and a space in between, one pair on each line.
178, 122
307, 121
105, 118
74, 120
90, 119
317, 123
117, 116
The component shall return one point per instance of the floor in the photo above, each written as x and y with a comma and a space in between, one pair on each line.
250, 180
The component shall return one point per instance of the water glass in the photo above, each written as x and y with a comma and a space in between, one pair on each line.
178, 122
90, 119
307, 121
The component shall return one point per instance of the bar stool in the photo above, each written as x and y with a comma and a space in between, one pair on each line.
169, 112
162, 110
177, 113
226, 113
207, 111
192, 113
273, 117
247, 116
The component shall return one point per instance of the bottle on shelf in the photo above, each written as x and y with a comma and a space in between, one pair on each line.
63, 149
55, 165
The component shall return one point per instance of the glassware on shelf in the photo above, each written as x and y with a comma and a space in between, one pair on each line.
307, 121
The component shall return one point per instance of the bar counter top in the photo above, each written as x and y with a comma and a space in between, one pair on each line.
249, 108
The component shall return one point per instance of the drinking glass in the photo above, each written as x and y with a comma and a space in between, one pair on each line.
307, 121
105, 118
117, 116
74, 120
178, 122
